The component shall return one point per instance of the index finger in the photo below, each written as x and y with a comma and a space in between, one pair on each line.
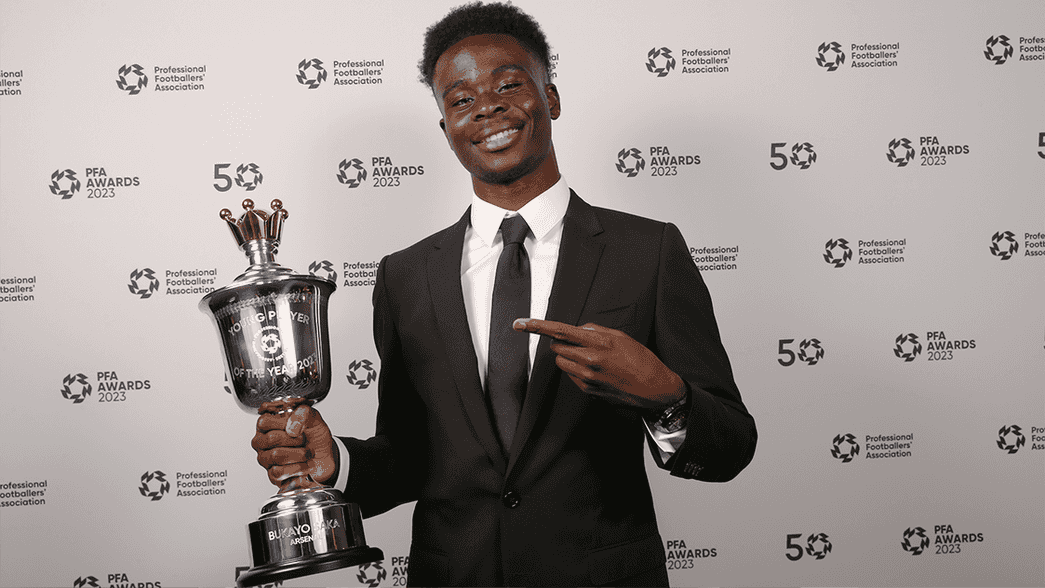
271, 422
555, 330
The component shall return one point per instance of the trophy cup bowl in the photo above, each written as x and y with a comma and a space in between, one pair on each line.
273, 329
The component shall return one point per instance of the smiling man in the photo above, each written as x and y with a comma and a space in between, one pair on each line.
522, 441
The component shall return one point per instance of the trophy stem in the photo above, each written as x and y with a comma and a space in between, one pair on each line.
303, 481
283, 405
299, 483
261, 252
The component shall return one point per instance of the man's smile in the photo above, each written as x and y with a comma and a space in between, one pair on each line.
498, 140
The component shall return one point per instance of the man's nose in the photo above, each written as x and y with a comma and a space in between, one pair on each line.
489, 103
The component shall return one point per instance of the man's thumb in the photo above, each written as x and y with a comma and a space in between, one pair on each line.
297, 419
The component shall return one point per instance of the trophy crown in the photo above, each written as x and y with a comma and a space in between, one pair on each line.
255, 225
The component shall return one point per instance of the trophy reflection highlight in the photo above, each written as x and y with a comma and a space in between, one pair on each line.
273, 329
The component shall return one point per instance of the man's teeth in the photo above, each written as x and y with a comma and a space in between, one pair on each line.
499, 139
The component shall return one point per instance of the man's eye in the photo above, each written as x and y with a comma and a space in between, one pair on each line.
461, 102
510, 85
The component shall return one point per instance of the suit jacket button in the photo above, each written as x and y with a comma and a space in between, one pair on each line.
510, 499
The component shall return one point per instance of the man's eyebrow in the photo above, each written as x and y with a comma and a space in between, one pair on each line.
510, 66
451, 87
501, 69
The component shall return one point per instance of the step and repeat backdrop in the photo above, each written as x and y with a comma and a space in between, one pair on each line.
861, 184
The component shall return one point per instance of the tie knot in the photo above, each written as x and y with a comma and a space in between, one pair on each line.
514, 229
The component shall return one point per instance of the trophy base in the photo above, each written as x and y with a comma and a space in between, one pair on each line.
305, 532
277, 572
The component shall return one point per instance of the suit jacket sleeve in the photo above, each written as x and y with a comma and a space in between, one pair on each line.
386, 470
720, 433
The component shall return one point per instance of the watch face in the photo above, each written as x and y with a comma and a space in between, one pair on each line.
672, 426
674, 418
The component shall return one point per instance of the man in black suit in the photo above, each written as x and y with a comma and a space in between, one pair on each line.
522, 441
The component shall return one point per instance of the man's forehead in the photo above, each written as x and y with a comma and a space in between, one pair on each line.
496, 53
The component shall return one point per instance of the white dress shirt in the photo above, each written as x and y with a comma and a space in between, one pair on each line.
483, 244
482, 249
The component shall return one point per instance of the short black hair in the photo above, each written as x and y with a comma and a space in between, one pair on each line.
481, 19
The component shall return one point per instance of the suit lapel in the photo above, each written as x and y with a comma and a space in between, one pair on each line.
444, 281
579, 254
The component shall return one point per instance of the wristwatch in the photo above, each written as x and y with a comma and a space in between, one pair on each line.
673, 418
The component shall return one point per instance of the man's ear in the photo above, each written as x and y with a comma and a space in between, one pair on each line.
552, 94
442, 125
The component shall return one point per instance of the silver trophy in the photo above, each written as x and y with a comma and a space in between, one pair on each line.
273, 329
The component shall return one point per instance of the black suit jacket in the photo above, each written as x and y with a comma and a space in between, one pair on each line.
572, 504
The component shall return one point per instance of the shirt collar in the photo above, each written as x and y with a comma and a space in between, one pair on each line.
542, 213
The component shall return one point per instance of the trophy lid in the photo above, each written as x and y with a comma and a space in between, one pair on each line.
258, 233
256, 225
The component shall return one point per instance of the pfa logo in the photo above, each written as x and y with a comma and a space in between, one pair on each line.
907, 347
132, 79
830, 55
837, 252
371, 574
630, 162
660, 61
1011, 438
311, 73
154, 485
86, 582
64, 183
361, 373
143, 283
351, 173
818, 545
810, 351
900, 152
802, 155
323, 267
915, 541
1004, 245
268, 344
248, 176
998, 49
76, 388
845, 447
254, 173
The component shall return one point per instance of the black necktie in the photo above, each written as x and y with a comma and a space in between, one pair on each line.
508, 366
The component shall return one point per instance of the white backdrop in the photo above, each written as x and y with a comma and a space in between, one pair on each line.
884, 459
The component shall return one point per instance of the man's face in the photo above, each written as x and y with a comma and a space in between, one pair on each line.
497, 107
